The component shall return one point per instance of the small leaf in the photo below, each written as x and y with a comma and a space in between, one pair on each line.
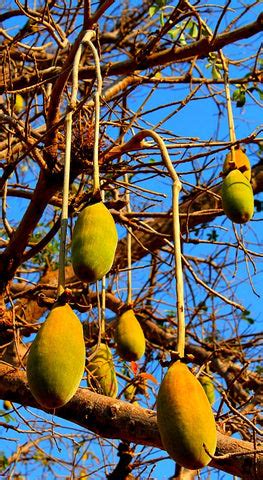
148, 376
194, 31
134, 367
215, 73
153, 10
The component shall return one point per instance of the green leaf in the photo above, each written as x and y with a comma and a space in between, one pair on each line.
242, 100
153, 10
162, 19
193, 32
215, 73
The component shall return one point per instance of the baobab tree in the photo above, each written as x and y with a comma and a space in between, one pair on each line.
109, 87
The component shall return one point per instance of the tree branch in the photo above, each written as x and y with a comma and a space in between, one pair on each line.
116, 419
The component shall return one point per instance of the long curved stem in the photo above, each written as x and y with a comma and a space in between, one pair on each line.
129, 246
96, 176
136, 140
231, 125
68, 133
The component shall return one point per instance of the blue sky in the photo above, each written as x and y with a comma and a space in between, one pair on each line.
200, 119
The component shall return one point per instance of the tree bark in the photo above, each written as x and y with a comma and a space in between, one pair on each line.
116, 419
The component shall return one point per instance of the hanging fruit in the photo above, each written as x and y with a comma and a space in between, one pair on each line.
101, 371
237, 160
237, 197
208, 386
56, 359
129, 337
94, 243
185, 418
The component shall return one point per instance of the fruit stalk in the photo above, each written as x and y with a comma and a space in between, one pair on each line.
129, 246
136, 140
231, 126
96, 177
68, 132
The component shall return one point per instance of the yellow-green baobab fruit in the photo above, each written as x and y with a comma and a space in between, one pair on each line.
7, 405
237, 197
19, 103
130, 392
185, 418
129, 337
56, 359
94, 242
208, 386
101, 371
238, 161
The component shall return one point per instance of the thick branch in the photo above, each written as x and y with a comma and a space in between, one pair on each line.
113, 418
198, 49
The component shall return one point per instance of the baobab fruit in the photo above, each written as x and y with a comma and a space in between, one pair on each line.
237, 160
129, 337
185, 418
130, 392
94, 242
56, 359
7, 405
19, 103
237, 197
208, 386
101, 371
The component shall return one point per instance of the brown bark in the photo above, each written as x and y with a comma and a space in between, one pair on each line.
116, 419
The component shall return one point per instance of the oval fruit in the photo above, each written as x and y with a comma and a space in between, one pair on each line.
208, 387
56, 359
101, 372
94, 242
237, 197
237, 161
129, 337
185, 419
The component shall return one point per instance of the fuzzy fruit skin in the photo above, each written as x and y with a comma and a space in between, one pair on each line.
237, 197
129, 337
185, 418
94, 242
241, 162
56, 359
101, 372
208, 387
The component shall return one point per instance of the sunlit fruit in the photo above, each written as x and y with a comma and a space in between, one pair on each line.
101, 371
185, 418
19, 103
94, 242
129, 337
237, 160
56, 359
208, 386
237, 197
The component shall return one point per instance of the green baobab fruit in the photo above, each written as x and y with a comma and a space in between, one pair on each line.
237, 197
129, 337
56, 359
185, 418
238, 161
94, 243
101, 371
130, 392
208, 387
